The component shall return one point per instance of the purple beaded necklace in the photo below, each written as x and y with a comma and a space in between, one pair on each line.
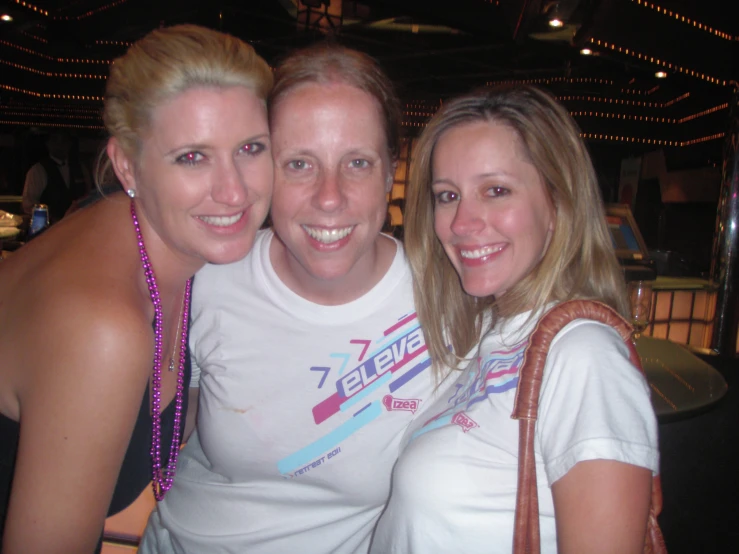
162, 478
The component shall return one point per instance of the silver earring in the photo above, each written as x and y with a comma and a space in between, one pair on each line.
131, 193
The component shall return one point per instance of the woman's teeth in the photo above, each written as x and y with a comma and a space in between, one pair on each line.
328, 236
480, 252
221, 220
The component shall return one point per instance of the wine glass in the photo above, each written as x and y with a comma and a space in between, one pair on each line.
640, 298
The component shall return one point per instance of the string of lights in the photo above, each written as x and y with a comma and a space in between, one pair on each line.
34, 37
621, 101
683, 19
94, 11
715, 109
57, 107
656, 142
51, 73
421, 105
703, 139
14, 113
31, 7
676, 100
51, 96
657, 61
52, 58
621, 138
418, 114
571, 80
628, 117
26, 50
88, 13
113, 43
552, 80
46, 124
640, 92
608, 115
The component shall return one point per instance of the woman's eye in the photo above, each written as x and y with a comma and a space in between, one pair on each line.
253, 148
445, 196
297, 165
190, 158
497, 191
359, 164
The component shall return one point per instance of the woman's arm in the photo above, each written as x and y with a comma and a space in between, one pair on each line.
601, 507
83, 380
599, 434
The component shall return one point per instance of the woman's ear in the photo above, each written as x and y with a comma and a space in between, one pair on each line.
122, 163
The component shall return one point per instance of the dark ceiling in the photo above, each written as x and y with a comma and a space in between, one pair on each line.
54, 57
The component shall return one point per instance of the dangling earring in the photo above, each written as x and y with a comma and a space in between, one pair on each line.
131, 193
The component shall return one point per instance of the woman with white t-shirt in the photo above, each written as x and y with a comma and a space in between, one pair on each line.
505, 217
307, 353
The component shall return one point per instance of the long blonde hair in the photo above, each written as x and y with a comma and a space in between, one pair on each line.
579, 262
165, 63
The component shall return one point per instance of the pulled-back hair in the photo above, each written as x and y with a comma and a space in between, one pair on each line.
328, 62
579, 262
165, 63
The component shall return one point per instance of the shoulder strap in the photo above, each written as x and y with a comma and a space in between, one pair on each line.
526, 538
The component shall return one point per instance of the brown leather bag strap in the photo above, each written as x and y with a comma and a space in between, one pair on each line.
526, 539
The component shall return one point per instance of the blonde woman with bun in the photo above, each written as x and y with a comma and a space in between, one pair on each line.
94, 312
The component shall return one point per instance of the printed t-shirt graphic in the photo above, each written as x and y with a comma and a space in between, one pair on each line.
365, 385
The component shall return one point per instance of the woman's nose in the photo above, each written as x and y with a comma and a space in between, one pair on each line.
329, 194
467, 219
230, 187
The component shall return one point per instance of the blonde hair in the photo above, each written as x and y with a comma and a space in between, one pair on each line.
579, 262
165, 63
328, 62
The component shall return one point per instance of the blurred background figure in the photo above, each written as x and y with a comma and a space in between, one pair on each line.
58, 179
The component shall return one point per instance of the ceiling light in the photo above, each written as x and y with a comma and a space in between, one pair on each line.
586, 51
660, 75
554, 15
6, 17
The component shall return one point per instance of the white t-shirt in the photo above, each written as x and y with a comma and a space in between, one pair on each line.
454, 486
302, 412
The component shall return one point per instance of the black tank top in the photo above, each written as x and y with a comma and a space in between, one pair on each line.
135, 474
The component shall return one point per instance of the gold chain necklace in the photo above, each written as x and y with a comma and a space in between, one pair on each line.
176, 334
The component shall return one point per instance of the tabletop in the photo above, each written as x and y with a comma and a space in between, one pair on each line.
682, 384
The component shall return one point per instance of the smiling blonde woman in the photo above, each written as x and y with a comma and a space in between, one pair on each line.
504, 220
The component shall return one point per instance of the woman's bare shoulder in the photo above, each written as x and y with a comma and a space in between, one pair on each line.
83, 325
100, 311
